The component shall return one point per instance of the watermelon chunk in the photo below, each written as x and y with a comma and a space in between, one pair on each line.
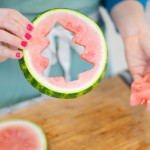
140, 92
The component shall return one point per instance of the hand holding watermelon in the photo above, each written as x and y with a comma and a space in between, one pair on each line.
135, 31
138, 56
14, 33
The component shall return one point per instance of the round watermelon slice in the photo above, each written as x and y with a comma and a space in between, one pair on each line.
86, 33
21, 135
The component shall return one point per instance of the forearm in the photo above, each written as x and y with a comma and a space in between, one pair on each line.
129, 17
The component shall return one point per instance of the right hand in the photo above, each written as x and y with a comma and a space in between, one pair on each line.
14, 33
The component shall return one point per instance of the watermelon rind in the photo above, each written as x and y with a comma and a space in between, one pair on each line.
37, 82
23, 122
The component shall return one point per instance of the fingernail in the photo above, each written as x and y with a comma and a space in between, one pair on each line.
28, 36
24, 43
29, 27
18, 55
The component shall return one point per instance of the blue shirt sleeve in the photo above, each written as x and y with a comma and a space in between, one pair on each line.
109, 4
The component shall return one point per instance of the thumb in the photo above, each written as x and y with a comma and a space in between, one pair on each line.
145, 43
137, 77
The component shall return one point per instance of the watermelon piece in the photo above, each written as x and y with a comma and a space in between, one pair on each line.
86, 33
140, 92
21, 135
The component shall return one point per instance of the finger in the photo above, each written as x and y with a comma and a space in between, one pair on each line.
137, 72
17, 29
5, 52
137, 76
12, 39
134, 100
18, 17
144, 41
2, 59
148, 107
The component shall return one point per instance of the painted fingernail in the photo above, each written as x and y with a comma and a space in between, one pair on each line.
24, 43
29, 27
18, 55
28, 36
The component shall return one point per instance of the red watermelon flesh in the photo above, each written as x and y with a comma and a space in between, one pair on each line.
83, 34
20, 135
140, 92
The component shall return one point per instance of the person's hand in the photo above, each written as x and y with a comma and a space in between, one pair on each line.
135, 31
137, 49
14, 34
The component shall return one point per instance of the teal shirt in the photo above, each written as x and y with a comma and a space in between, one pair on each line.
13, 86
31, 8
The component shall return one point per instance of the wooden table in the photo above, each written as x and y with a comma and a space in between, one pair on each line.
99, 120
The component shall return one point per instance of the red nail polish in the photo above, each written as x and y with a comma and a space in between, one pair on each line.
24, 43
18, 55
29, 27
28, 36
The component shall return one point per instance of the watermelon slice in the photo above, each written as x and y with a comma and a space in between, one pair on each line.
86, 33
140, 92
21, 135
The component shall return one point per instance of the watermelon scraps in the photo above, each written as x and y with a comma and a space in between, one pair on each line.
140, 92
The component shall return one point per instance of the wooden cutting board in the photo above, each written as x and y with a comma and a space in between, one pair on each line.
99, 120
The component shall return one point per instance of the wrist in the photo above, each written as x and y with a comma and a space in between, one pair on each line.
129, 18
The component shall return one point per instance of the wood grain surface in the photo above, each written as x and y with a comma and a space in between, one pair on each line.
99, 120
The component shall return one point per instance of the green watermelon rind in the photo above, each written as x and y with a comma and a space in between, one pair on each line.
42, 134
50, 92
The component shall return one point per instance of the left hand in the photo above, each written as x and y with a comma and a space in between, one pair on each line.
137, 50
